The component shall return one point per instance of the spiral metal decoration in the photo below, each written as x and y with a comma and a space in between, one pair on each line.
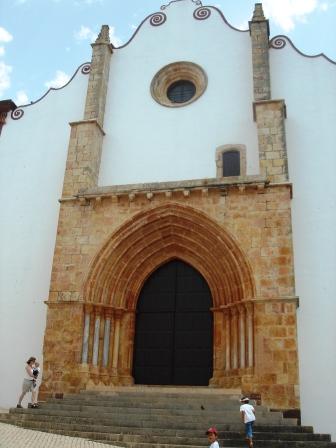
158, 19
202, 13
17, 114
196, 2
86, 69
278, 43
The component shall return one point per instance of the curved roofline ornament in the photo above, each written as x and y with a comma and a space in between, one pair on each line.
19, 112
280, 41
196, 2
159, 18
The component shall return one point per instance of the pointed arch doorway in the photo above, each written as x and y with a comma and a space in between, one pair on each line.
174, 328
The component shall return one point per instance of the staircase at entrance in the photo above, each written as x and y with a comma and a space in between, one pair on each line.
162, 417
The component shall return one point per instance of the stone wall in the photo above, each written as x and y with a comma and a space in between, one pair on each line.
237, 235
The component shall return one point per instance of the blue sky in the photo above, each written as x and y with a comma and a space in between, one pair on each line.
42, 42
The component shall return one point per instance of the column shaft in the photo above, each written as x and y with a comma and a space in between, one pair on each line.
86, 335
96, 341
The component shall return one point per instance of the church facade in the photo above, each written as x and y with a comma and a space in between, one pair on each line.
183, 219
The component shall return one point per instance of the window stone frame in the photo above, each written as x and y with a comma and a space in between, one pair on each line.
220, 150
178, 71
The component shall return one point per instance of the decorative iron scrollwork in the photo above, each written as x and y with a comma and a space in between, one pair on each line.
86, 69
202, 13
278, 43
158, 19
17, 114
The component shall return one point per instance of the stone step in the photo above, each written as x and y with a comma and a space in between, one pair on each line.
148, 417
169, 401
237, 426
142, 419
193, 436
135, 398
191, 391
127, 441
178, 402
153, 404
144, 396
180, 411
227, 439
231, 444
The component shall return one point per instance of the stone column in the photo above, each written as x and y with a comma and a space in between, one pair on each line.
91, 334
227, 343
250, 336
101, 337
107, 335
86, 138
269, 113
259, 31
234, 332
95, 350
242, 336
86, 334
116, 342
111, 343
270, 118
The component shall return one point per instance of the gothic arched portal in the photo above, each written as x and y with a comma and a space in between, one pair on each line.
129, 258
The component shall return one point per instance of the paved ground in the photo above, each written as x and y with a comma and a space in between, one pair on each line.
13, 437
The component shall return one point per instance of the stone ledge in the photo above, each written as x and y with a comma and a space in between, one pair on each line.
168, 188
86, 304
281, 102
88, 121
290, 299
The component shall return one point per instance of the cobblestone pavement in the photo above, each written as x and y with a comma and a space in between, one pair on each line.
14, 437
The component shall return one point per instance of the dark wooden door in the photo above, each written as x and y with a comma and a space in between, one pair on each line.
173, 341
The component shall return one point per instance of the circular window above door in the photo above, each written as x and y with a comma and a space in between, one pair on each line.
178, 84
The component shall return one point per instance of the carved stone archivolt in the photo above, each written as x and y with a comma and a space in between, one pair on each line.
130, 256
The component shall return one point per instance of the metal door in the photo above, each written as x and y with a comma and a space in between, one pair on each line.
173, 341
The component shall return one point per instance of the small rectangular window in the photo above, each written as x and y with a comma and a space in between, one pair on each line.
231, 163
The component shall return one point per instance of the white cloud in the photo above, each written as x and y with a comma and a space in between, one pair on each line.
286, 13
114, 38
21, 98
324, 6
60, 80
2, 51
5, 36
5, 82
85, 33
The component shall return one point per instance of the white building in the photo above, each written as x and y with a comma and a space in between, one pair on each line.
149, 145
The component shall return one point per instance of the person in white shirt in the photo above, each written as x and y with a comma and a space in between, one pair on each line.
247, 413
212, 437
